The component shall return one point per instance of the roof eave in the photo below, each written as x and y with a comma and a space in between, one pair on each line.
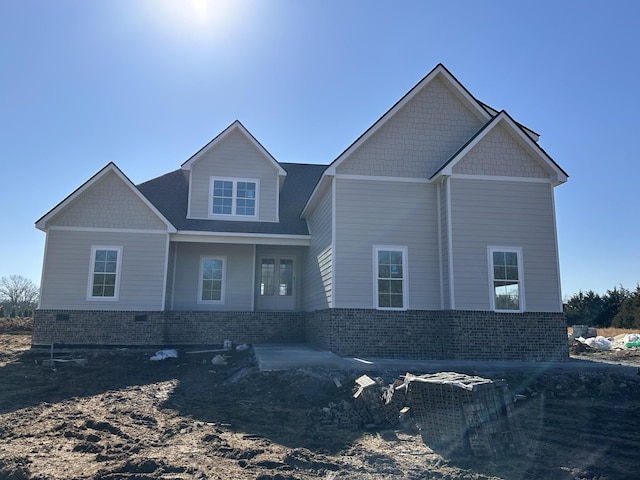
326, 177
43, 222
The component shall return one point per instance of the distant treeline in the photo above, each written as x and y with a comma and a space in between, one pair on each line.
618, 308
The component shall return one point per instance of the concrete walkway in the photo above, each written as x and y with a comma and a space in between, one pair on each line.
272, 357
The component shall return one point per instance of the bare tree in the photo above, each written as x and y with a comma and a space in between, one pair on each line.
18, 291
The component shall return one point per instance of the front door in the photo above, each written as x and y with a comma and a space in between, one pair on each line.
276, 280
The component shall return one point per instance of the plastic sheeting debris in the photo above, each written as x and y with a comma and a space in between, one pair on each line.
632, 340
219, 360
599, 342
164, 354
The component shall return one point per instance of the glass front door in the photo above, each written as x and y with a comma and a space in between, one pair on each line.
276, 280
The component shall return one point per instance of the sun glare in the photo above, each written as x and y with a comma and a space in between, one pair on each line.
199, 17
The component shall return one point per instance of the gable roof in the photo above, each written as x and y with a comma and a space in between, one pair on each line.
439, 71
503, 118
169, 193
235, 126
42, 222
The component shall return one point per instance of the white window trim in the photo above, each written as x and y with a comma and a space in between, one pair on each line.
233, 215
492, 300
92, 260
405, 275
224, 280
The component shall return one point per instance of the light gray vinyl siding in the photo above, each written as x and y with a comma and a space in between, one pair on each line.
234, 157
68, 260
500, 153
318, 262
508, 214
385, 213
419, 138
108, 203
238, 288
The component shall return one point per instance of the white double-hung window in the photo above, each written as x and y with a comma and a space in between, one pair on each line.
390, 277
506, 279
234, 197
104, 273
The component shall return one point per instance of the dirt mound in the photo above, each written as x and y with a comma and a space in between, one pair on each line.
118, 415
20, 325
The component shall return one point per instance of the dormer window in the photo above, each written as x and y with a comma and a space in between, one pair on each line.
234, 197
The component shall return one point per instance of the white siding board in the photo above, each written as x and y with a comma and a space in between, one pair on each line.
419, 138
238, 286
234, 157
66, 270
385, 213
318, 263
512, 214
109, 203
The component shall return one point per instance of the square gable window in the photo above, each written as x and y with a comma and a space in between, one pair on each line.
234, 197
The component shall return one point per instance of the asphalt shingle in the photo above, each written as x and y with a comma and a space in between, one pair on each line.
169, 194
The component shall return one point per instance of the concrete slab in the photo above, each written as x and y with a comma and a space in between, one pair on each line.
272, 357
290, 357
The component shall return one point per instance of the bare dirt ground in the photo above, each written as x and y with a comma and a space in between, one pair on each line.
122, 416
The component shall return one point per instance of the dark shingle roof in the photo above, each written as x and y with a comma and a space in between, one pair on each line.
169, 193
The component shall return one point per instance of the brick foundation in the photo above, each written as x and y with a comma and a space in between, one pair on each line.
91, 328
418, 334
446, 334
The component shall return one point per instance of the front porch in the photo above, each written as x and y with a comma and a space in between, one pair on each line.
224, 277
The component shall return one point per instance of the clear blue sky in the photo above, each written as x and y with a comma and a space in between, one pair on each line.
146, 83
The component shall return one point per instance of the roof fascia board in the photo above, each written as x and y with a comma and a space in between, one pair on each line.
236, 125
41, 223
439, 70
106, 230
240, 238
560, 176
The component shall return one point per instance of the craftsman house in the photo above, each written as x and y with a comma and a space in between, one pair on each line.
433, 235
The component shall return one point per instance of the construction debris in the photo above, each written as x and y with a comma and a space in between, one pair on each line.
455, 413
163, 355
219, 360
584, 331
80, 362
368, 402
465, 414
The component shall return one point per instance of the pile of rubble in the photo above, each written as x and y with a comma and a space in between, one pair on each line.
586, 339
455, 413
